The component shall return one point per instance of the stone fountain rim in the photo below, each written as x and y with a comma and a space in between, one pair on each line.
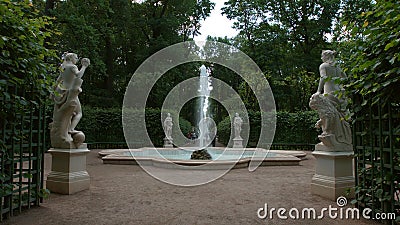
282, 158
295, 153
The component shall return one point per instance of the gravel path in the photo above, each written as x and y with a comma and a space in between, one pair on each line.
125, 194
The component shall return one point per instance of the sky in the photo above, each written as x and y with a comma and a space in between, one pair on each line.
216, 25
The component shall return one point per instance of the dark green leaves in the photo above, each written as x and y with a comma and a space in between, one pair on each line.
23, 55
375, 60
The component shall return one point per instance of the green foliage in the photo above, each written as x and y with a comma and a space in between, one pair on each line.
285, 39
118, 35
44, 193
297, 127
155, 128
377, 148
370, 45
105, 124
25, 81
23, 56
169, 80
374, 65
290, 128
224, 130
6, 189
101, 124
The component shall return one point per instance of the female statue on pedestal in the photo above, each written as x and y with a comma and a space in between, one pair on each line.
237, 123
168, 126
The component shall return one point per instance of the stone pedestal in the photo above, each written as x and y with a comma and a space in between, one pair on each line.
168, 143
68, 171
238, 142
333, 174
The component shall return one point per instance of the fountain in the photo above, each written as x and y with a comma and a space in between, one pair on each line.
205, 88
201, 155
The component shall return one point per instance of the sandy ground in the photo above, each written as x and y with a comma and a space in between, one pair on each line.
125, 194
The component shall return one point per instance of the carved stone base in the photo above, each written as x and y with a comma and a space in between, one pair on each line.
333, 174
168, 143
338, 148
68, 171
238, 142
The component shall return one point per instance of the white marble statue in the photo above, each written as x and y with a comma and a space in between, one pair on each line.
67, 107
328, 85
237, 124
336, 131
168, 126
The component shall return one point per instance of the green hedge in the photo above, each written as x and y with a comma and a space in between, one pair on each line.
292, 128
105, 125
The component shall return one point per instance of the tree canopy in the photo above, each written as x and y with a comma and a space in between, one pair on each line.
283, 37
119, 35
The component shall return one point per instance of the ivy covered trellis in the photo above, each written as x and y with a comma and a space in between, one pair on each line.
373, 65
377, 147
23, 143
25, 79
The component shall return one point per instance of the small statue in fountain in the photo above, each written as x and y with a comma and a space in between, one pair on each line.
168, 126
237, 123
336, 132
67, 107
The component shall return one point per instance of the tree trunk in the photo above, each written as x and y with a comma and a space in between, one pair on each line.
49, 6
109, 65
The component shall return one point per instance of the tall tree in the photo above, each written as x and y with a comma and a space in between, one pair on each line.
119, 35
285, 38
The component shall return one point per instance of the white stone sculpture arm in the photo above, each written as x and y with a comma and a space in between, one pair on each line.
85, 63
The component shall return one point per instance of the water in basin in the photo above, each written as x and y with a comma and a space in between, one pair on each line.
185, 154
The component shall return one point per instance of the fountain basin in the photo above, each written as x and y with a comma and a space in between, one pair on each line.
222, 158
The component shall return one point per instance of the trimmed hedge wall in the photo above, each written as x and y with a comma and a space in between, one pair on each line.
291, 128
105, 125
